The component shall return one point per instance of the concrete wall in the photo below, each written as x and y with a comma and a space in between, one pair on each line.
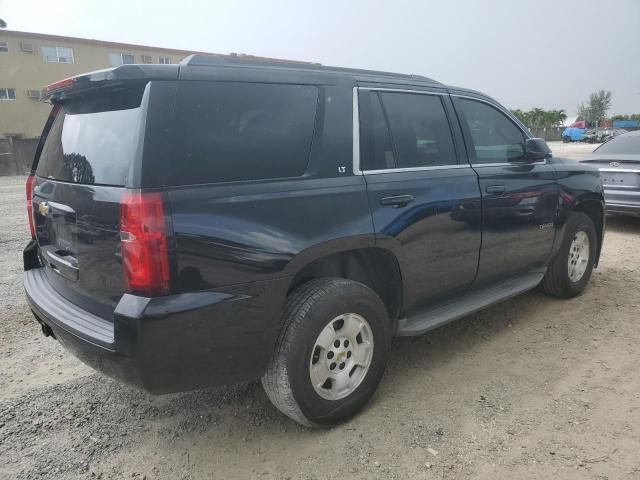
549, 134
25, 117
16, 155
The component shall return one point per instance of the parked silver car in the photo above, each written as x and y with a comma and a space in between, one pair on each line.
619, 161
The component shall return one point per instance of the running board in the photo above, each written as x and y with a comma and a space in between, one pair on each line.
453, 308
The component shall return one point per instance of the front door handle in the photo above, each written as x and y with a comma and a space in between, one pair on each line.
496, 189
396, 200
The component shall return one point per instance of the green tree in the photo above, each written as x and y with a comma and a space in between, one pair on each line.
633, 116
540, 118
596, 108
519, 114
561, 117
619, 117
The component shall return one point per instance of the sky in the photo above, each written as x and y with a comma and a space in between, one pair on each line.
525, 54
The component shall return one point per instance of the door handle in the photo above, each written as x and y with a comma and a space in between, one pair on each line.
396, 200
496, 189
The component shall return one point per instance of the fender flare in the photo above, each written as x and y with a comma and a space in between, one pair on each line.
576, 205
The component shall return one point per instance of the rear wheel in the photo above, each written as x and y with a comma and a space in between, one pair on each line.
331, 352
571, 269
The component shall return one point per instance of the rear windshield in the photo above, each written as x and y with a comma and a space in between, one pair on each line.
241, 131
622, 145
94, 140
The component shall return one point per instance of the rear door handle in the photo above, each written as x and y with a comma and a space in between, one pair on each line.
496, 189
396, 200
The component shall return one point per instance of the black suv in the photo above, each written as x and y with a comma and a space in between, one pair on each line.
225, 220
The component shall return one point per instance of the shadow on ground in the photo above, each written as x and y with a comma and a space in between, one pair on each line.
623, 224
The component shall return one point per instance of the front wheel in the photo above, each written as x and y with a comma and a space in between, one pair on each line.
570, 270
331, 352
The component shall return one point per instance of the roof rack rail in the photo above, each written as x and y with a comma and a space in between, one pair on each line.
236, 59
243, 60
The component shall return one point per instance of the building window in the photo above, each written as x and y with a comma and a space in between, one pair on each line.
26, 47
7, 93
34, 94
164, 60
58, 54
117, 59
4, 47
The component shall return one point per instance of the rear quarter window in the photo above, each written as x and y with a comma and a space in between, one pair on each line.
241, 131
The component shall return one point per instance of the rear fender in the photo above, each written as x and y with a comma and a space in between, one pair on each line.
324, 249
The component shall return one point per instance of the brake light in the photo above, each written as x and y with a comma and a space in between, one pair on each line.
32, 223
67, 82
145, 257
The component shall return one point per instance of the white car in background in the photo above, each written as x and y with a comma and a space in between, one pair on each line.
619, 162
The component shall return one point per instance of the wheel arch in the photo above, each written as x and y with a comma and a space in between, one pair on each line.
376, 267
593, 207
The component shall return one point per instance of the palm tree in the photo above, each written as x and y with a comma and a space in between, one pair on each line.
540, 118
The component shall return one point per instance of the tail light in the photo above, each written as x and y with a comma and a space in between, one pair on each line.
32, 223
145, 257
67, 82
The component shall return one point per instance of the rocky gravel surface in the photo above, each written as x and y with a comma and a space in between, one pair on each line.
532, 388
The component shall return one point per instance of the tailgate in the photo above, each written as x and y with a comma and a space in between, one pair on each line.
87, 160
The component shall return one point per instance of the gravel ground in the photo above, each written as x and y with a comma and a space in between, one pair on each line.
532, 388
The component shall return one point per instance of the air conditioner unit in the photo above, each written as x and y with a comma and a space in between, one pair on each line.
26, 47
35, 94
147, 59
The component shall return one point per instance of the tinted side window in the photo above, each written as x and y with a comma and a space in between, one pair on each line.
495, 138
242, 131
376, 148
420, 130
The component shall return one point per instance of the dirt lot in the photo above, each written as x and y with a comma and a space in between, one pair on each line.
532, 388
575, 151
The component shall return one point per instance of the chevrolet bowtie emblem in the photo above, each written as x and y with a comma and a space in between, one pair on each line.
44, 208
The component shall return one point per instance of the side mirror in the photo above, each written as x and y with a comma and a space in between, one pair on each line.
536, 149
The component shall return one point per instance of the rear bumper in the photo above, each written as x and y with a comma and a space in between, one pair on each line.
632, 210
168, 344
626, 202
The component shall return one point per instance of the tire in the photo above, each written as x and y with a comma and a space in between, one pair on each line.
311, 310
566, 139
560, 280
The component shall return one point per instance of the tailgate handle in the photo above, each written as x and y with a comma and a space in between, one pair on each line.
396, 200
59, 264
